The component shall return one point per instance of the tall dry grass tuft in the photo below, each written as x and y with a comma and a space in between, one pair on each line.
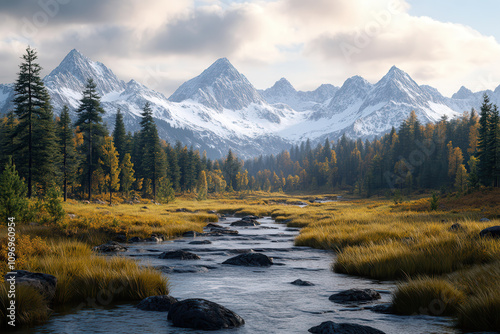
441, 253
481, 312
430, 296
81, 275
31, 307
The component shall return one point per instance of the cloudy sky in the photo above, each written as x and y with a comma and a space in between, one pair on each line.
444, 43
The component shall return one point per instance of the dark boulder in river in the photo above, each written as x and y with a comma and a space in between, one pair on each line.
300, 282
250, 260
179, 255
203, 314
191, 234
354, 295
157, 303
111, 246
330, 327
200, 242
245, 222
134, 239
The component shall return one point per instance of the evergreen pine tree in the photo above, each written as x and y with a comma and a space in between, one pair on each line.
119, 135
174, 171
7, 138
45, 151
89, 121
12, 194
153, 158
231, 168
65, 136
483, 148
32, 107
493, 149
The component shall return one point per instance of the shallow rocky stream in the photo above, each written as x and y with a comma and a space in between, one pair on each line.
262, 296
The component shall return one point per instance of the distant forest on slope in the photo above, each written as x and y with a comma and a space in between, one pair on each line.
82, 158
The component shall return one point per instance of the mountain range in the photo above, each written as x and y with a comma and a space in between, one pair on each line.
220, 109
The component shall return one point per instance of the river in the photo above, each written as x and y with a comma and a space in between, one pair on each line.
264, 297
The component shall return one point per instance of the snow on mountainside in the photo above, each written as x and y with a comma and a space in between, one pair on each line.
221, 109
6, 97
66, 81
361, 109
283, 92
219, 86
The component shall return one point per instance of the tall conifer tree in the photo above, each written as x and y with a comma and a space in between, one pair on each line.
153, 160
65, 134
484, 165
89, 121
31, 105
120, 136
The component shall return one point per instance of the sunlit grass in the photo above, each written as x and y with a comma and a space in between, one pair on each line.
372, 238
81, 275
431, 296
471, 295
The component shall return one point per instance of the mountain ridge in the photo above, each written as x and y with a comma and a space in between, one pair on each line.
220, 109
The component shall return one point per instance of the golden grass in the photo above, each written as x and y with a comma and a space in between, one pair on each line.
471, 295
31, 307
372, 238
481, 312
435, 253
81, 275
431, 296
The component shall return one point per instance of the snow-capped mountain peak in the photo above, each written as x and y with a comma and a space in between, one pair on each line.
463, 93
220, 109
73, 72
282, 87
219, 86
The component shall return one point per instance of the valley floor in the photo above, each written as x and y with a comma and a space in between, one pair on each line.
437, 257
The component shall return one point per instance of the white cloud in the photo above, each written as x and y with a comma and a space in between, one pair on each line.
310, 42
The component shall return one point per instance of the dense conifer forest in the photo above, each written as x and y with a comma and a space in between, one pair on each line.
82, 157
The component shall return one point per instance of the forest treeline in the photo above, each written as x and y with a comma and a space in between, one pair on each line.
82, 158
454, 155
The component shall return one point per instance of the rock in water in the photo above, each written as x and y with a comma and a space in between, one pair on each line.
157, 303
329, 327
245, 222
301, 283
493, 231
111, 246
203, 314
134, 239
200, 242
213, 225
354, 295
44, 283
179, 254
191, 234
250, 260
383, 308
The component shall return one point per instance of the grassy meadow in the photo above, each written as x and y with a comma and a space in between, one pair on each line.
440, 271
